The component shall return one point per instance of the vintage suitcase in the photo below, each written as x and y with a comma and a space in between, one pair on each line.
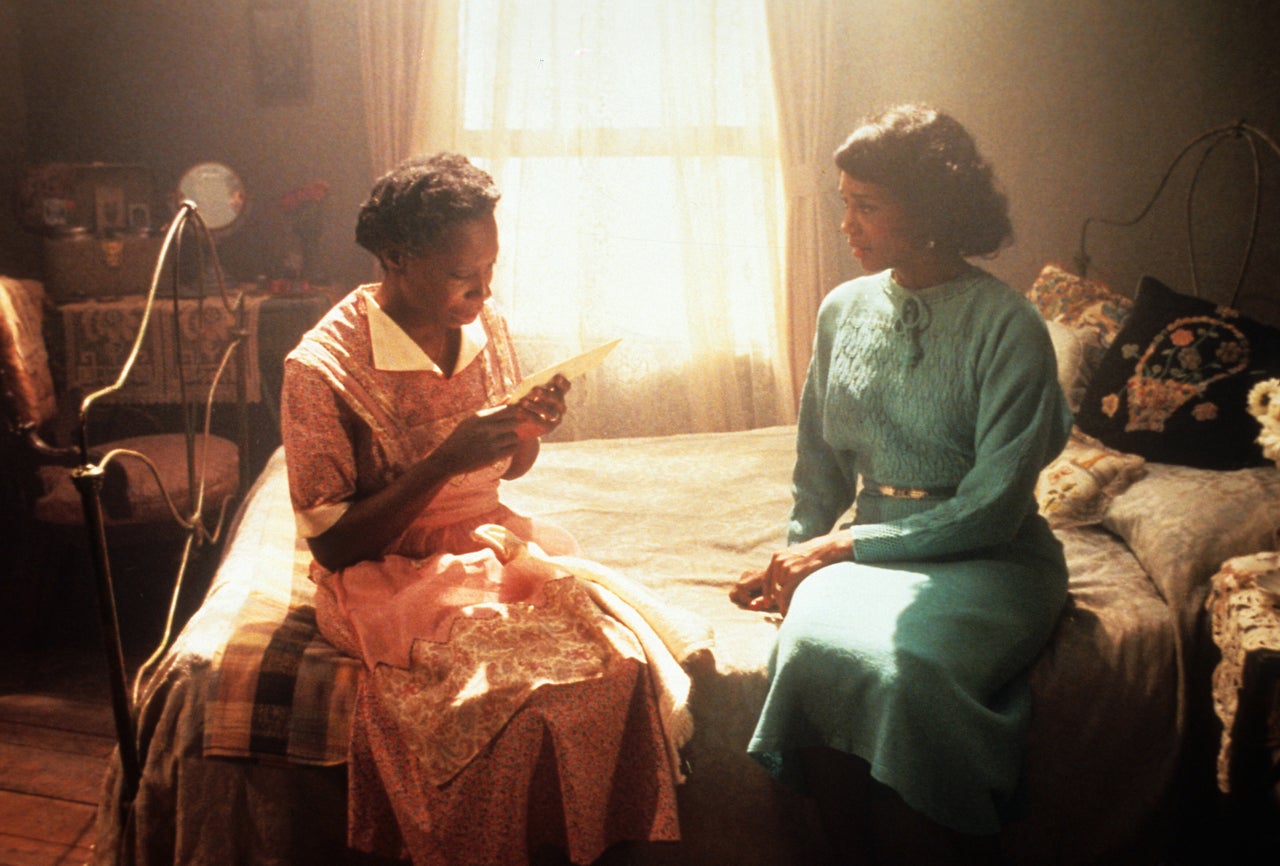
97, 220
79, 265
104, 198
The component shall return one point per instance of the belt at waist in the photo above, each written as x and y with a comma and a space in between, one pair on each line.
895, 491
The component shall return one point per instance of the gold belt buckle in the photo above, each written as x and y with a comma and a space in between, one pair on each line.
895, 492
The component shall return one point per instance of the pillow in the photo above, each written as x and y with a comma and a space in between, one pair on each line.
1060, 294
1077, 487
26, 356
1182, 523
1174, 385
1092, 312
1069, 352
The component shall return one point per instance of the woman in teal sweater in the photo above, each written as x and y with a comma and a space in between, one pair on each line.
898, 693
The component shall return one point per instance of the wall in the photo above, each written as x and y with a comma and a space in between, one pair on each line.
1080, 105
170, 84
19, 252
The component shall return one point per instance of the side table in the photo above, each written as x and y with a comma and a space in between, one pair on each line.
1246, 684
98, 334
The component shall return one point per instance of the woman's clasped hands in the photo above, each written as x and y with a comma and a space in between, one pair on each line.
772, 588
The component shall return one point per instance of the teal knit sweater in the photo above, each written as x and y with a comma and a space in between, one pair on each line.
954, 386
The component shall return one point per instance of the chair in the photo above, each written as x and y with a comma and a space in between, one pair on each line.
36, 417
128, 489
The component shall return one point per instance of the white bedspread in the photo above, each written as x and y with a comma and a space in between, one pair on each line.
684, 516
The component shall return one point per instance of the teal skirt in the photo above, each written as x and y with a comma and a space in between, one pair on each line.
919, 668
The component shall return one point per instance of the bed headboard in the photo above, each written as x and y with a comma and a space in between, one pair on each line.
1164, 370
1242, 209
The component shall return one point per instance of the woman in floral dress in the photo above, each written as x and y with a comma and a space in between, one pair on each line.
501, 712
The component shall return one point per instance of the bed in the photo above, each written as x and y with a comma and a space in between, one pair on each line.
242, 726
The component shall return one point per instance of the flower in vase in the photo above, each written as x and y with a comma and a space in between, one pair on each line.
304, 208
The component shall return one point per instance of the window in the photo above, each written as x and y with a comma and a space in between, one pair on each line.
635, 145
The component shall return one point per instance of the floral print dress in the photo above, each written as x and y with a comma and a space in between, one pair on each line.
500, 710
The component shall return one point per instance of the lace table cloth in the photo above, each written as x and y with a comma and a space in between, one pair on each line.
1246, 628
99, 335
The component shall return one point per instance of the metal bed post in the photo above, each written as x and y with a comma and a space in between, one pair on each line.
89, 478
88, 481
1240, 130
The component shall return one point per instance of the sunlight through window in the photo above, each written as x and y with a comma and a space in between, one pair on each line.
635, 145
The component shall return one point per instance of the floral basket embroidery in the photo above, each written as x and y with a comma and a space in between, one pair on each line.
1172, 387
1181, 361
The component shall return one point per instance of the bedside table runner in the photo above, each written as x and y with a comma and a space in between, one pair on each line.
100, 334
1246, 620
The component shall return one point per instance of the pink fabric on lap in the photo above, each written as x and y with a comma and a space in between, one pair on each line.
396, 600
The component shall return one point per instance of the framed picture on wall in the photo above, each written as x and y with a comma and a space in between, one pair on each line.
280, 38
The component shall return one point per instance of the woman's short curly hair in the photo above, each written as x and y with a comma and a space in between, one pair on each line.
412, 205
931, 164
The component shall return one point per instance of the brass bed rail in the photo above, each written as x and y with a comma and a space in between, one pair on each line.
1208, 142
190, 516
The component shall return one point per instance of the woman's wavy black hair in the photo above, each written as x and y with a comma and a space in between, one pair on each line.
929, 162
412, 205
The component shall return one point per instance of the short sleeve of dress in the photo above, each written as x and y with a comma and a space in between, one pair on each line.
318, 436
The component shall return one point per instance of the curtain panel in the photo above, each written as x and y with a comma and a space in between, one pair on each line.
636, 146
392, 66
807, 51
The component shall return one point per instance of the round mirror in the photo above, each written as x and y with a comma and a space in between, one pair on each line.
217, 192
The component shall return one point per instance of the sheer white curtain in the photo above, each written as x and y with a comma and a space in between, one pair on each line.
635, 143
392, 66
808, 46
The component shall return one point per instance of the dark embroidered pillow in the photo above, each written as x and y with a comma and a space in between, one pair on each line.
1173, 386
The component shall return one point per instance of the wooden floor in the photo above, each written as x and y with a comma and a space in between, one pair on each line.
56, 735
57, 730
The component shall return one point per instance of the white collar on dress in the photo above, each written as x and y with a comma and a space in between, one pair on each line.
394, 350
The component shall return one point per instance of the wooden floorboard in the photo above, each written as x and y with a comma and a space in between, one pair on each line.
57, 734
96, 743
46, 821
56, 713
19, 851
57, 775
